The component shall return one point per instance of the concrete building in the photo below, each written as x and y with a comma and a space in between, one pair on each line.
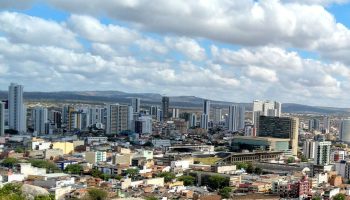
260, 143
204, 121
144, 124
193, 120
280, 127
2, 118
117, 118
309, 149
40, 120
165, 108
322, 152
175, 113
94, 157
236, 118
17, 109
206, 107
67, 147
217, 117
265, 108
136, 103
345, 131
314, 125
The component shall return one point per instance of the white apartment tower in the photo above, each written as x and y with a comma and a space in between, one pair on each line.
265, 108
2, 118
322, 152
40, 119
236, 118
117, 118
309, 149
17, 109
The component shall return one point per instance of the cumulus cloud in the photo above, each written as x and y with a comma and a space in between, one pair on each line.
189, 47
36, 31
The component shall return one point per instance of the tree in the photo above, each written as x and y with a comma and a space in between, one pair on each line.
9, 162
188, 180
97, 194
316, 198
339, 196
250, 168
303, 158
11, 191
45, 197
19, 150
132, 173
217, 182
49, 166
168, 176
225, 192
74, 169
291, 160
258, 170
242, 165
151, 198
95, 173
118, 177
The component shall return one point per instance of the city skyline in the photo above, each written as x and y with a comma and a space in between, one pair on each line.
264, 49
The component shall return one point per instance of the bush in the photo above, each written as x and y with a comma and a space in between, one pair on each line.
188, 180
97, 194
225, 192
168, 176
9, 162
49, 166
74, 169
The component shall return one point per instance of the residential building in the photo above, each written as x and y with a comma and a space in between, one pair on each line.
165, 108
309, 149
40, 118
94, 157
117, 118
345, 131
236, 118
136, 103
2, 118
17, 109
322, 152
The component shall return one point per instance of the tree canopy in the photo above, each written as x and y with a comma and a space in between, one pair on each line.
168, 176
188, 180
225, 192
74, 169
97, 194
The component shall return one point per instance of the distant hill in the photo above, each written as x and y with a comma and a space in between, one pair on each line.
153, 98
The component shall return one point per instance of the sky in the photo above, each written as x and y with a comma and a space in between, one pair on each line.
295, 51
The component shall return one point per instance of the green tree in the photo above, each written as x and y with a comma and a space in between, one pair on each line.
95, 173
45, 197
242, 165
11, 191
132, 173
250, 168
303, 158
339, 196
74, 169
118, 177
291, 160
225, 192
258, 170
188, 180
9, 162
316, 198
168, 176
48, 165
19, 150
97, 194
151, 198
217, 182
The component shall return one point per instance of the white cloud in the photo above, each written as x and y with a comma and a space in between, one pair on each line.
187, 46
261, 74
21, 28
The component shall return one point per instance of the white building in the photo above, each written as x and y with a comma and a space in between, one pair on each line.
217, 115
266, 108
135, 103
40, 120
117, 118
94, 157
193, 120
236, 118
2, 118
309, 149
17, 109
322, 152
144, 124
204, 121
175, 113
345, 131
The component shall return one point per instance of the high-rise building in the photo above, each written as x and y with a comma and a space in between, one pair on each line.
345, 131
143, 125
326, 124
131, 120
280, 127
309, 149
95, 115
175, 113
193, 120
136, 103
2, 118
322, 152
265, 108
165, 108
314, 125
217, 115
236, 118
206, 107
155, 111
17, 109
117, 118
40, 118
204, 121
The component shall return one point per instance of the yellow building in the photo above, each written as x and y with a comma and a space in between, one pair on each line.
67, 147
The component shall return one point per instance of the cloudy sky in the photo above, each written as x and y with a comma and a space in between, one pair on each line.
233, 50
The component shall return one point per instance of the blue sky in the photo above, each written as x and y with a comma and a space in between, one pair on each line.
286, 50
